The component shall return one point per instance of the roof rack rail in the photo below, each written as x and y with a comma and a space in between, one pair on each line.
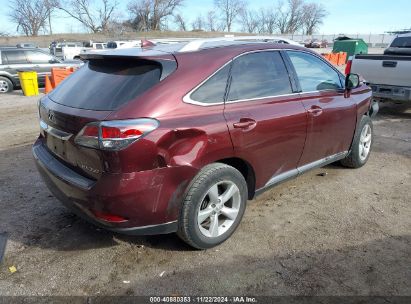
198, 44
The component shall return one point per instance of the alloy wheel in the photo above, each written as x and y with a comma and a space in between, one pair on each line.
219, 209
365, 142
4, 86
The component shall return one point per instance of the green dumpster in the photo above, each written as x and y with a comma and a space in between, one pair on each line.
350, 46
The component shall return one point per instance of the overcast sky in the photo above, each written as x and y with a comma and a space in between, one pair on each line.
345, 16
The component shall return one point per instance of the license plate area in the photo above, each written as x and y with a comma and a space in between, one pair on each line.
57, 146
83, 161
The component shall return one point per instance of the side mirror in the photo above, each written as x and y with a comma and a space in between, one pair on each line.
352, 81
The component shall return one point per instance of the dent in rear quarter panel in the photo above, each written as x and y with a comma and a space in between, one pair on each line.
195, 140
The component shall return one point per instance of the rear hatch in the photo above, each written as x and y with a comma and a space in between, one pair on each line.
103, 85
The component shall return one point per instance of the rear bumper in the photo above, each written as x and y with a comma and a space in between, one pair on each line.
391, 92
149, 200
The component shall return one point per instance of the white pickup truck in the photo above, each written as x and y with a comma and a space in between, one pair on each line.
73, 52
388, 75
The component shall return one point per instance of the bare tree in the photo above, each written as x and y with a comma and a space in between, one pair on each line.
151, 14
198, 24
267, 20
95, 18
181, 23
229, 9
140, 12
29, 15
212, 22
250, 21
282, 19
290, 16
51, 5
314, 14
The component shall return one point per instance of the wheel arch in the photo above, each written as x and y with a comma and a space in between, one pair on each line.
9, 78
245, 169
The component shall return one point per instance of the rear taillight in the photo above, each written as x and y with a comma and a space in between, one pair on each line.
348, 66
116, 134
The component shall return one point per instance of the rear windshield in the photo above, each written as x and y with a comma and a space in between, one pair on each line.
401, 42
108, 84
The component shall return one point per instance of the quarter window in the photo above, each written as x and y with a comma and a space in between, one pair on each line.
213, 90
258, 75
313, 73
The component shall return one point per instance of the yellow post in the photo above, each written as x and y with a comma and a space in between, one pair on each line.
29, 84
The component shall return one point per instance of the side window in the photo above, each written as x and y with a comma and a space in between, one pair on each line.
213, 90
259, 75
313, 73
16, 57
38, 57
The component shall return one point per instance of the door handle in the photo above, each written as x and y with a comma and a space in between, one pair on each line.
315, 110
244, 123
389, 64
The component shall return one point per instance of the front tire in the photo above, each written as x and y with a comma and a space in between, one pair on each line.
6, 85
362, 144
213, 206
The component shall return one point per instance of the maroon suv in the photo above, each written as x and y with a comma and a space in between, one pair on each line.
177, 138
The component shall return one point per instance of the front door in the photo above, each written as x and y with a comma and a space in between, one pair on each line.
331, 117
265, 117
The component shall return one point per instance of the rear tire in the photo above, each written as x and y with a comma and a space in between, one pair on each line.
361, 145
6, 85
213, 206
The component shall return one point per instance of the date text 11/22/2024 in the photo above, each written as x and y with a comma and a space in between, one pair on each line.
205, 299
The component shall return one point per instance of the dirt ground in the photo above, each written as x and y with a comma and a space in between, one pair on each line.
345, 233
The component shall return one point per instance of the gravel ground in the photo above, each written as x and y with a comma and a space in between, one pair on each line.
345, 233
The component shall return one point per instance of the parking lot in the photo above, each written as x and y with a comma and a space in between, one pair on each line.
347, 232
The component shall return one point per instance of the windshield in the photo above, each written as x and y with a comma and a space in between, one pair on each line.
107, 84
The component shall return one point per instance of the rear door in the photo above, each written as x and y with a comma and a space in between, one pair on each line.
331, 116
266, 119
